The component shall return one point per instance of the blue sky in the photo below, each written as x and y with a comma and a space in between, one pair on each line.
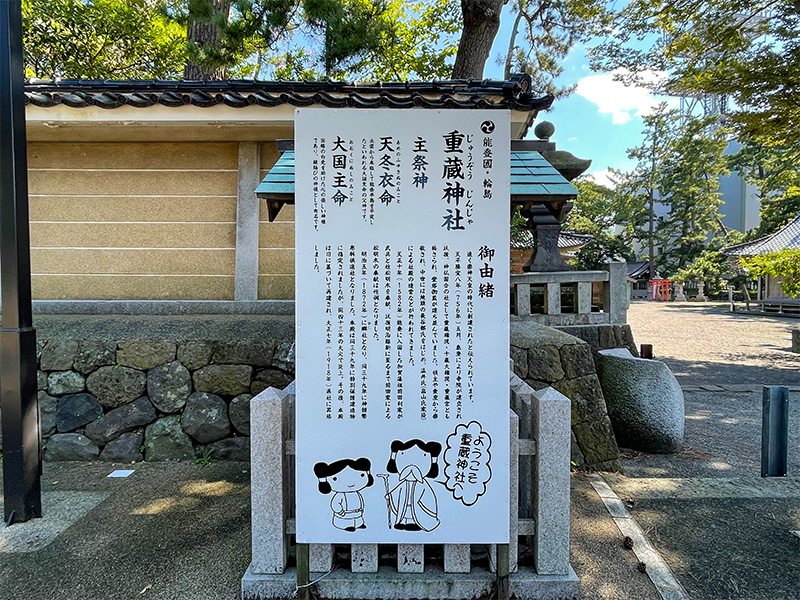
600, 120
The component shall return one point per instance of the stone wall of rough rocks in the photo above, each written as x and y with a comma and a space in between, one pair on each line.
154, 400
546, 357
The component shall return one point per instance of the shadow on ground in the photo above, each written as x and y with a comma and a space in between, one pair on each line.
694, 372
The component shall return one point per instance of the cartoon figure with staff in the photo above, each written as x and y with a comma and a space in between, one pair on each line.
411, 503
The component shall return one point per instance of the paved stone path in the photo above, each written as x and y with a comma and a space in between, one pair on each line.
704, 344
724, 532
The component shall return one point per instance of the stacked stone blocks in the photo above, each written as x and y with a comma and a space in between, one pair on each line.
154, 400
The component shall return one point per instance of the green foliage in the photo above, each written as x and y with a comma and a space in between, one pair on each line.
775, 171
689, 186
745, 50
101, 39
241, 28
596, 212
711, 265
204, 456
387, 40
783, 264
549, 30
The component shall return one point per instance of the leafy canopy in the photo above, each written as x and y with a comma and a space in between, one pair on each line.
101, 39
745, 50
784, 263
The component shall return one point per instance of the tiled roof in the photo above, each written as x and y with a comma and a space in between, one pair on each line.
639, 268
532, 175
787, 237
514, 94
566, 240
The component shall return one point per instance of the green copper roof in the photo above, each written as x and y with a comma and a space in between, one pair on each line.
531, 175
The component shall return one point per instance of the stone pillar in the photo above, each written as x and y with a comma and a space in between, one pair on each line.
247, 213
550, 426
267, 482
679, 295
615, 293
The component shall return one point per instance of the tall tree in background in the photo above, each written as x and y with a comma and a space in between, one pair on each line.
775, 171
101, 39
689, 187
597, 212
544, 31
352, 31
481, 22
641, 186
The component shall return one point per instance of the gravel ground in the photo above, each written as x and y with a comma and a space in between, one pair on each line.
703, 343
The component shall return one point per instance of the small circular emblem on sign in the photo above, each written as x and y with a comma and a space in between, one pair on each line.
487, 126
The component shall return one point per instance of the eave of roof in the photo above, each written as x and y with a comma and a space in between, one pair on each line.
786, 237
567, 240
513, 94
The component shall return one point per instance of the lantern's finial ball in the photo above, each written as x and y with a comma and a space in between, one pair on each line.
544, 130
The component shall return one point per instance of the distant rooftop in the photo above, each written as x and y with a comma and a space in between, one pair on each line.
513, 94
786, 237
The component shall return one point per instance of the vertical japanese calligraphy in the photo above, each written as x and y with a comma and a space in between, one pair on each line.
402, 304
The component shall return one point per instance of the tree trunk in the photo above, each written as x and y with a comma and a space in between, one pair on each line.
481, 22
206, 32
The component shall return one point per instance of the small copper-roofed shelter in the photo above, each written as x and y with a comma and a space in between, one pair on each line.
543, 195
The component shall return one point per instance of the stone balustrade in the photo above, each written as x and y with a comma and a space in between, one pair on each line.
577, 288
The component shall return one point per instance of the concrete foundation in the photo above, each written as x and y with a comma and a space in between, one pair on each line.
432, 584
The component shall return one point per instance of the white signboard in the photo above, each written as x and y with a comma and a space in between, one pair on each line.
402, 310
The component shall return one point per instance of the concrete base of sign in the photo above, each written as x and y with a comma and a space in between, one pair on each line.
432, 584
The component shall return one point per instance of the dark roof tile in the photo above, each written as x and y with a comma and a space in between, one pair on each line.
513, 94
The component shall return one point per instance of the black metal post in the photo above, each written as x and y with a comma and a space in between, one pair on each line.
18, 396
774, 431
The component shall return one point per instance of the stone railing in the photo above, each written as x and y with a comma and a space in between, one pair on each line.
539, 495
577, 286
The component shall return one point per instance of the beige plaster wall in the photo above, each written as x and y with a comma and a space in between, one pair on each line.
133, 220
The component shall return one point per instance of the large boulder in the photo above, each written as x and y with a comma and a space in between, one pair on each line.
546, 357
169, 386
145, 354
70, 446
58, 355
120, 420
195, 354
225, 380
205, 418
645, 402
244, 352
93, 354
76, 410
239, 413
65, 382
115, 386
126, 448
165, 440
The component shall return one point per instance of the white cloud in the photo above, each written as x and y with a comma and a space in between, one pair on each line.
615, 98
602, 177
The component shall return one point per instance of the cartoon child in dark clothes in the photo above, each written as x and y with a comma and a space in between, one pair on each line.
412, 501
347, 478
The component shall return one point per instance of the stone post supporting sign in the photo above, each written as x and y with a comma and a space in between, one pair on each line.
402, 264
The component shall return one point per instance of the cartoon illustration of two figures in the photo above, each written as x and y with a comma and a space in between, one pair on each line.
410, 499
